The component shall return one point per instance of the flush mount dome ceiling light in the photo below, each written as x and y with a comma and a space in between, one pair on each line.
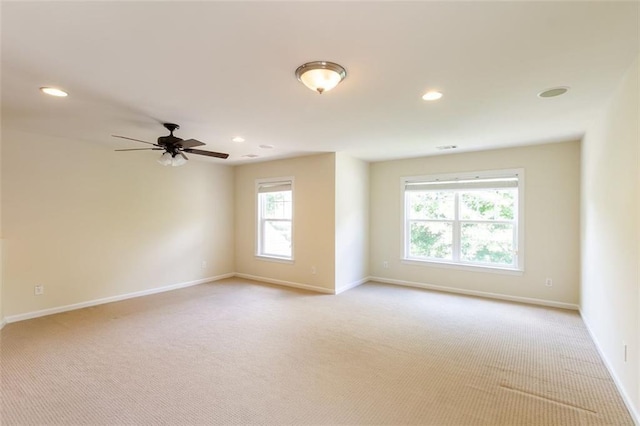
321, 76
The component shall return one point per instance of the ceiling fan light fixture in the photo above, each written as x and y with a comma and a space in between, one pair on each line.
178, 160
320, 76
173, 147
165, 159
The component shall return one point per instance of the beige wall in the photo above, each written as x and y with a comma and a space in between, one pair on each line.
1, 281
352, 221
90, 223
551, 191
610, 298
313, 221
1, 240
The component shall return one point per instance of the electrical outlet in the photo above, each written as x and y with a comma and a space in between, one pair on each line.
548, 282
385, 264
38, 290
313, 270
204, 264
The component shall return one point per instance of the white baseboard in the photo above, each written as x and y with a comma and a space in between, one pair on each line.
625, 396
3, 323
285, 283
51, 311
349, 286
59, 309
528, 300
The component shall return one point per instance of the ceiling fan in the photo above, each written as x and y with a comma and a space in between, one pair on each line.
173, 147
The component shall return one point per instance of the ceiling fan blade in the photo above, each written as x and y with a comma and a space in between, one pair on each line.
140, 149
207, 153
137, 140
184, 156
190, 143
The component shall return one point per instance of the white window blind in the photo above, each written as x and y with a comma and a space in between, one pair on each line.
466, 183
274, 187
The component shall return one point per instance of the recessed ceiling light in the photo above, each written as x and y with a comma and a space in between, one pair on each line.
237, 139
250, 156
266, 146
554, 91
54, 92
432, 95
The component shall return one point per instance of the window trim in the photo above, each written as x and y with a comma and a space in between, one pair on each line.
461, 265
258, 220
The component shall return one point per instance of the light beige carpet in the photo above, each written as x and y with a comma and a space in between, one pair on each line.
238, 352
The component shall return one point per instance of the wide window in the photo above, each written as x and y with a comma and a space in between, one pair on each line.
275, 213
469, 219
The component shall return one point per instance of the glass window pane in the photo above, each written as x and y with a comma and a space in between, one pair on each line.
488, 204
431, 240
487, 243
286, 209
276, 205
431, 205
277, 238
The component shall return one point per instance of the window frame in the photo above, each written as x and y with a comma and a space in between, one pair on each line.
260, 221
457, 222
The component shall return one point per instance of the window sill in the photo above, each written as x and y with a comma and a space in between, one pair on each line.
274, 259
464, 267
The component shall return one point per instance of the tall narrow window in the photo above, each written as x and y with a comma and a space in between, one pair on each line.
275, 214
469, 219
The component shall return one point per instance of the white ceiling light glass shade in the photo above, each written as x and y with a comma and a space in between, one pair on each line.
165, 159
320, 76
178, 160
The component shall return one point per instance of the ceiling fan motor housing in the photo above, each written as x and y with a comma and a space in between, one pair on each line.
169, 141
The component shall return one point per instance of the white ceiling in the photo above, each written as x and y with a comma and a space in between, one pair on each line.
222, 69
